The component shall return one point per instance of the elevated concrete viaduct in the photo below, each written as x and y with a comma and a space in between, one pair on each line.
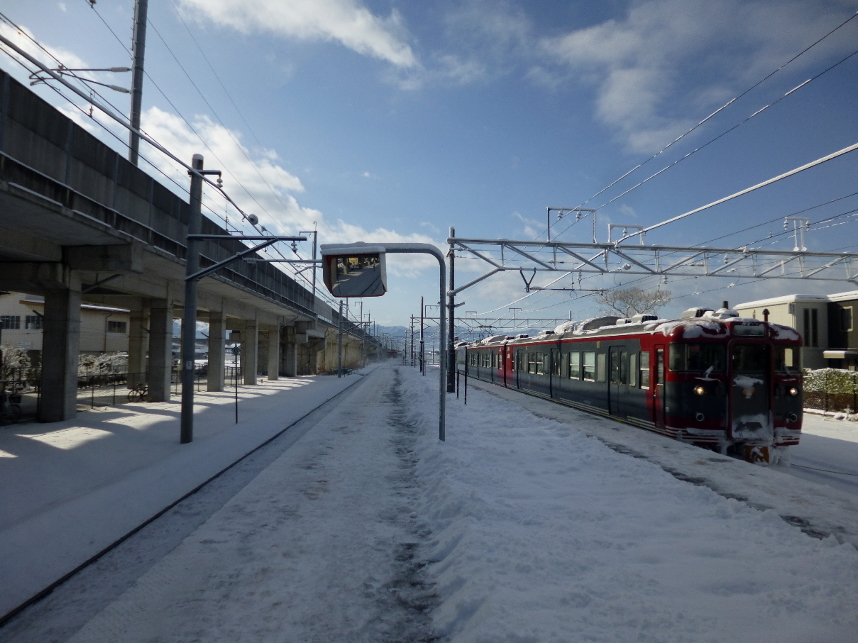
79, 223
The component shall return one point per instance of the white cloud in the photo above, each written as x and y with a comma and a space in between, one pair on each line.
667, 58
431, 227
23, 39
345, 21
265, 190
532, 228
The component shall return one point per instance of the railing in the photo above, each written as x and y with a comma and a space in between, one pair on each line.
21, 391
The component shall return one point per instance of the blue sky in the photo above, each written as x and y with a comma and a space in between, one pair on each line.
389, 120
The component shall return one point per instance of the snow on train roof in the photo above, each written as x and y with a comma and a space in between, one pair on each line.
711, 325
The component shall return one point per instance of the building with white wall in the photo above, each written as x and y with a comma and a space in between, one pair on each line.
102, 329
827, 324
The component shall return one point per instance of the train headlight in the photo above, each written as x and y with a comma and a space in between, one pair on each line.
700, 390
793, 391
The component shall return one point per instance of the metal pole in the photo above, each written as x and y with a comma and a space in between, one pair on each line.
315, 239
451, 358
138, 48
340, 341
189, 323
422, 345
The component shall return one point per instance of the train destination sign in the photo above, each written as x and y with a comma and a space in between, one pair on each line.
355, 272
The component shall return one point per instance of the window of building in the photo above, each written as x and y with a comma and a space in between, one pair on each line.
116, 326
10, 322
814, 327
33, 322
846, 318
811, 327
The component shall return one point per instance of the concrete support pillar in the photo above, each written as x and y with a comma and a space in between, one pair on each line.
160, 349
60, 351
289, 357
138, 342
273, 353
217, 343
250, 350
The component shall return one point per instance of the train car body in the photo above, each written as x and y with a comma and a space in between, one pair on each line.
717, 381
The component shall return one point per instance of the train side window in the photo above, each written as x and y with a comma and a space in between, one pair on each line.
633, 369
589, 366
557, 363
601, 367
540, 364
575, 365
644, 359
659, 366
788, 360
676, 355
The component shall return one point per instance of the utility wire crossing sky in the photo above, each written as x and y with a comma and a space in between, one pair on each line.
393, 121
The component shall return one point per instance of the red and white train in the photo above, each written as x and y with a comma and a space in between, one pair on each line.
710, 378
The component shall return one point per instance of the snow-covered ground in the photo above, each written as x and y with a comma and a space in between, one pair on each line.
532, 522
828, 452
70, 489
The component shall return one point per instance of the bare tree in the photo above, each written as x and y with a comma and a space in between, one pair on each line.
632, 301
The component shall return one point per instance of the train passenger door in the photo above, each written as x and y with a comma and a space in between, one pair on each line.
618, 381
517, 364
657, 378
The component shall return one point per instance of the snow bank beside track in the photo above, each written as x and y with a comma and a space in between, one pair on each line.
543, 533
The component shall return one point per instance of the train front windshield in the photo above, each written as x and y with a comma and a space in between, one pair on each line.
750, 359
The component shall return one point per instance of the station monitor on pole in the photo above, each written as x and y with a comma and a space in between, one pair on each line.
357, 271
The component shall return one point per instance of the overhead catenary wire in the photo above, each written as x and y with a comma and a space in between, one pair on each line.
773, 238
710, 141
793, 172
724, 133
89, 94
111, 112
723, 107
296, 273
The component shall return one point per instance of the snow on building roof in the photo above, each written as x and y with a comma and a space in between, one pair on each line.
784, 299
789, 299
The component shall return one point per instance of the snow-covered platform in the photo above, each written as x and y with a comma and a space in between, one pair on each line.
70, 489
